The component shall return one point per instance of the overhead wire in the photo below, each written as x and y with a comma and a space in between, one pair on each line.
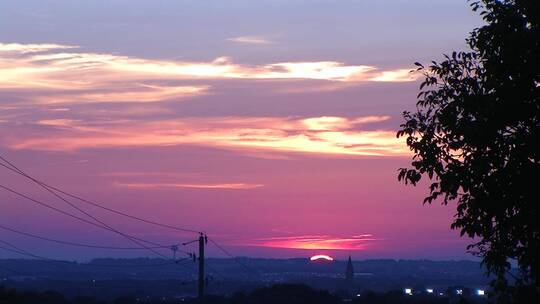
246, 268
105, 225
15, 249
15, 169
18, 250
53, 190
26, 253
74, 243
73, 215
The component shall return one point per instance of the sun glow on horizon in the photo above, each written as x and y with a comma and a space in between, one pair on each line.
321, 257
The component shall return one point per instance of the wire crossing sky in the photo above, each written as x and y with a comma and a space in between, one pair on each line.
269, 125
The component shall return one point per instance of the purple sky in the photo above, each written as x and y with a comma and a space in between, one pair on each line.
269, 124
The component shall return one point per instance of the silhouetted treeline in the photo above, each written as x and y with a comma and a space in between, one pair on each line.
279, 293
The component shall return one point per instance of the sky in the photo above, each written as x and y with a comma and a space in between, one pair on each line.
270, 125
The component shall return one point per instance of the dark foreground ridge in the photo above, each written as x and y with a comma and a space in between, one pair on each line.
279, 293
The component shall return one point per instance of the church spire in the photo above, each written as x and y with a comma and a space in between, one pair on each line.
349, 272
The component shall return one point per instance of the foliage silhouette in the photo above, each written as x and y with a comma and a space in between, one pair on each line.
476, 136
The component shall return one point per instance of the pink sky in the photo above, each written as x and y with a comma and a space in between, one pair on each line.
279, 141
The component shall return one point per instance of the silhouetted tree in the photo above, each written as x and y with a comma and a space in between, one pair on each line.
476, 135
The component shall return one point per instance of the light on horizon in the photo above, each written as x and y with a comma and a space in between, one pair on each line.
321, 257
408, 291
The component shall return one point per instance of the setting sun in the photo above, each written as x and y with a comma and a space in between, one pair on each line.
321, 257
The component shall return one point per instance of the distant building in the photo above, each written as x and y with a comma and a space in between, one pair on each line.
349, 276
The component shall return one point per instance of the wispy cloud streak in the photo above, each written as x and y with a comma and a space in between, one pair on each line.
313, 242
250, 40
32, 48
337, 136
61, 74
149, 186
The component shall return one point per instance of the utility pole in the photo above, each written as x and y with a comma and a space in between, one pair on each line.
202, 241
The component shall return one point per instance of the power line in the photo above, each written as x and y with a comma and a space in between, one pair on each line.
249, 269
24, 252
129, 265
173, 262
15, 169
77, 244
53, 190
108, 227
75, 216
101, 224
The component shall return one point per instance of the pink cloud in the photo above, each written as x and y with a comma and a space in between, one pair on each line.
332, 136
148, 186
313, 242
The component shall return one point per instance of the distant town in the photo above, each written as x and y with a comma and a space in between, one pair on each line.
145, 278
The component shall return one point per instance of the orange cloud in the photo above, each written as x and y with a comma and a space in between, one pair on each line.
337, 136
57, 75
65, 70
68, 76
314, 242
401, 75
57, 122
329, 123
322, 70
